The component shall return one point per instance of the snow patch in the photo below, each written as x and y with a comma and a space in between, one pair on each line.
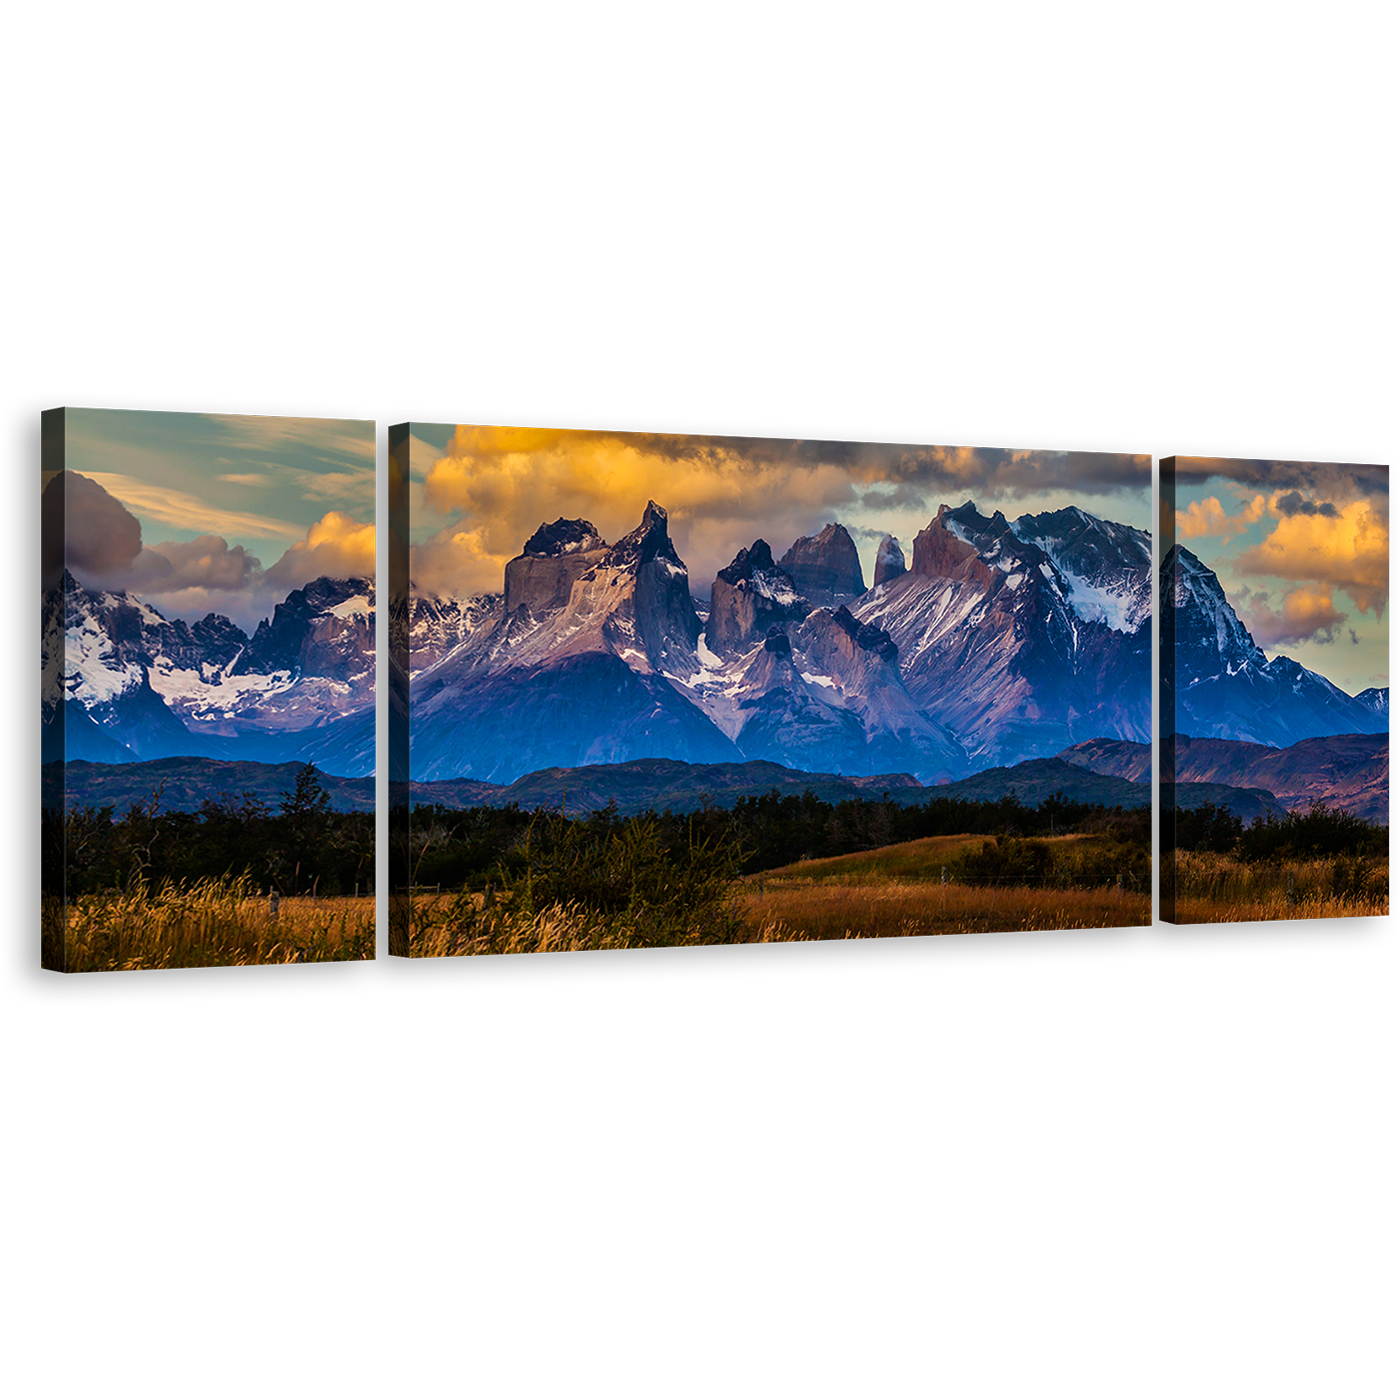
357, 606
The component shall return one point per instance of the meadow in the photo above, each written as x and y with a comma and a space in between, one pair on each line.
1213, 887
935, 885
900, 891
207, 923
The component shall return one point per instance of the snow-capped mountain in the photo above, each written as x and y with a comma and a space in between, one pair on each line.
1019, 652
597, 656
987, 650
438, 625
1217, 682
576, 668
1377, 701
130, 683
748, 597
1107, 567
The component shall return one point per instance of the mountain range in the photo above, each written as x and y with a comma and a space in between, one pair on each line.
1348, 771
124, 683
1000, 641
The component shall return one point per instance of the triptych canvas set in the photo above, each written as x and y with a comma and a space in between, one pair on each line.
652, 690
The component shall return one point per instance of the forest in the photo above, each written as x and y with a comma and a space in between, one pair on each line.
295, 846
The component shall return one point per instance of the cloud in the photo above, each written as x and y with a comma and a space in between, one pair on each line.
1349, 551
421, 456
187, 512
102, 535
347, 437
1294, 504
206, 562
1308, 614
1355, 640
336, 546
347, 487
494, 486
1334, 481
246, 478
1209, 519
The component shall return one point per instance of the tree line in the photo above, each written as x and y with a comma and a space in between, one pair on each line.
1309, 834
297, 846
451, 848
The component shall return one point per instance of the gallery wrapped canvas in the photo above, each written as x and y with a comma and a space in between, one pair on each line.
653, 690
1275, 698
208, 686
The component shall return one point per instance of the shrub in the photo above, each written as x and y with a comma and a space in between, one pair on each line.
1004, 860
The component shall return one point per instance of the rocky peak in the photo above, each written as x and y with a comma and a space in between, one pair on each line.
889, 561
1206, 633
325, 628
758, 558
825, 567
751, 596
542, 576
564, 537
650, 540
942, 550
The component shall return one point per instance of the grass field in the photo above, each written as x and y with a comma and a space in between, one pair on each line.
897, 891
213, 923
893, 892
1213, 889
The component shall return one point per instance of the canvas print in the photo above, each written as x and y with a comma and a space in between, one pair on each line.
1275, 681
208, 690
652, 690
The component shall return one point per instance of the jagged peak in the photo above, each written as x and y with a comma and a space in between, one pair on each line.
564, 537
889, 561
757, 558
825, 563
650, 540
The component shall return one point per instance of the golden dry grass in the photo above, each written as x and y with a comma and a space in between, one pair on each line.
894, 892
920, 860
1213, 888
448, 926
212, 923
801, 909
897, 891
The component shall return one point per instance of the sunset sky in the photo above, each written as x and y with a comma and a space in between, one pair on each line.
1303, 553
200, 513
477, 493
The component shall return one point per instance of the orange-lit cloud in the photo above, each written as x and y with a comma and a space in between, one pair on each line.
1348, 550
503, 483
1308, 614
1209, 519
336, 546
493, 487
